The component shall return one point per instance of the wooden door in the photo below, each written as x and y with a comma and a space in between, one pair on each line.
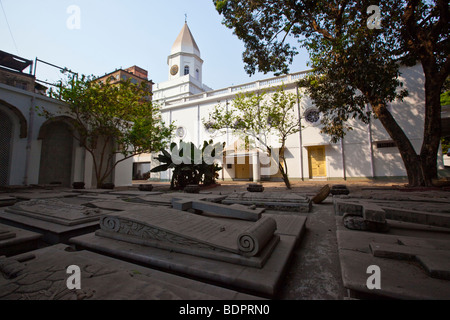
242, 171
317, 162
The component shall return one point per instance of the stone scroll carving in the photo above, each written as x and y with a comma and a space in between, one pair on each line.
255, 238
111, 224
168, 228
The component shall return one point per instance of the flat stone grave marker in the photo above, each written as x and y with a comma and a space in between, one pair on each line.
56, 211
209, 264
166, 198
339, 189
42, 275
192, 188
6, 234
227, 211
117, 205
91, 191
7, 201
271, 200
56, 219
42, 195
99, 196
378, 213
400, 279
435, 262
135, 193
254, 187
14, 240
241, 242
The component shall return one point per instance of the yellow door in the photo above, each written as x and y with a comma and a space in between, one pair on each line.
242, 171
317, 162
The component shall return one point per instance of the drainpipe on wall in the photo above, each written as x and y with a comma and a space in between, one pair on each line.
83, 165
29, 140
372, 166
344, 171
256, 165
199, 126
170, 171
227, 146
300, 135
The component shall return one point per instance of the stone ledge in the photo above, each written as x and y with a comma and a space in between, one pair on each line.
102, 278
399, 279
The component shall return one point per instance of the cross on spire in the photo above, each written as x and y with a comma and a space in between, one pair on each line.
185, 18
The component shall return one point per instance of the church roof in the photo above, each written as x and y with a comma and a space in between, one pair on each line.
185, 42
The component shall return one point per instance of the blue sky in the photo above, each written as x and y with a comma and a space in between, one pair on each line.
119, 33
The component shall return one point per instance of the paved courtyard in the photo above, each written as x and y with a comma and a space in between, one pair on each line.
324, 263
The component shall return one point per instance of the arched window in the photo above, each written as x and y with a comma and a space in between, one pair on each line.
186, 70
197, 74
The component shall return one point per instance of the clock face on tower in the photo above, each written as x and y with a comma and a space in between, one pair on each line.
174, 70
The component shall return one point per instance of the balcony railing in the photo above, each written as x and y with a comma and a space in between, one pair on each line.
251, 86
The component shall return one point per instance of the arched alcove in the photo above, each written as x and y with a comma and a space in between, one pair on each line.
22, 120
6, 140
56, 163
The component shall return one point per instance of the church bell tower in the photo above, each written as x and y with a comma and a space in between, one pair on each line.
185, 70
185, 57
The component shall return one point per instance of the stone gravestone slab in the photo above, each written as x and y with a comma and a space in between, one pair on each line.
323, 193
435, 262
227, 211
166, 198
192, 188
135, 193
377, 213
255, 187
400, 279
240, 242
339, 189
16, 240
56, 220
7, 201
145, 187
6, 234
56, 211
212, 264
40, 195
364, 216
42, 275
271, 200
117, 205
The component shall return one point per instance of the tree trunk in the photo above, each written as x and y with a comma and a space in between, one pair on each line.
433, 125
280, 167
283, 170
100, 180
285, 176
422, 40
409, 156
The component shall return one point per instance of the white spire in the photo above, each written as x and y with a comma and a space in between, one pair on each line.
185, 43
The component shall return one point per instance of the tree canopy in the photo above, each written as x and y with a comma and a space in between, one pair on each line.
355, 61
260, 115
119, 114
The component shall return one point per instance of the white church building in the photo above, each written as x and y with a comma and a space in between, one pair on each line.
34, 150
365, 152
